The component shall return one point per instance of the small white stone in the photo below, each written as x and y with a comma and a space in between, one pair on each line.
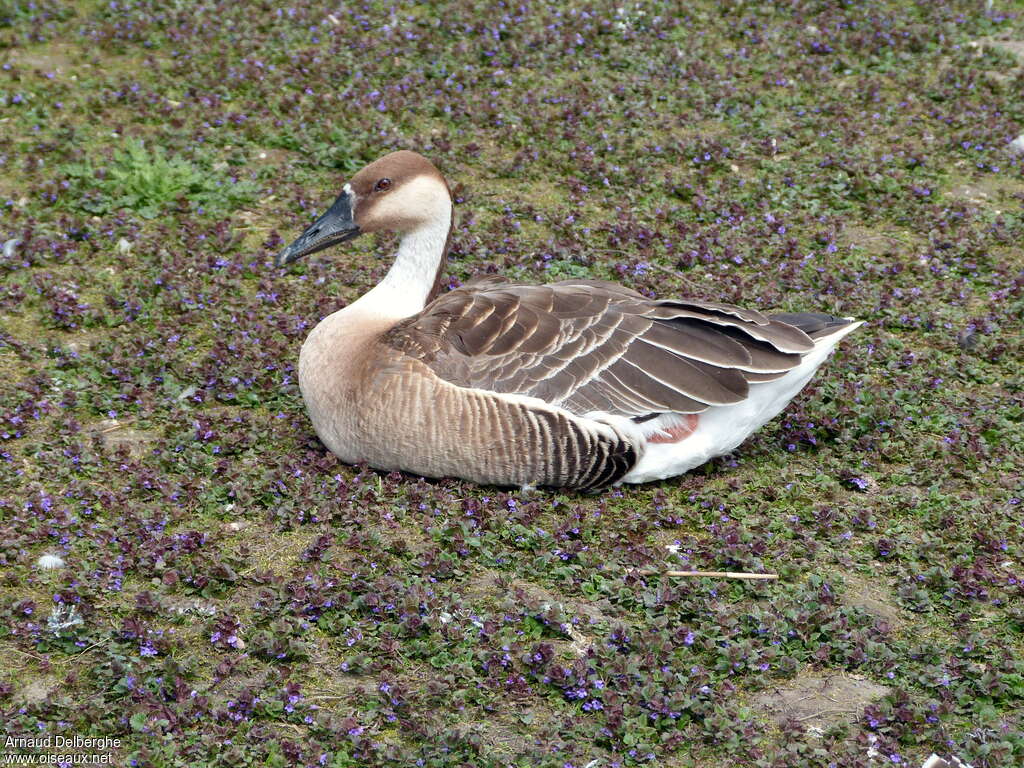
872, 752
1017, 145
50, 562
10, 247
124, 246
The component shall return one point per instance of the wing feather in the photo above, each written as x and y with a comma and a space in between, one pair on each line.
588, 346
703, 382
694, 339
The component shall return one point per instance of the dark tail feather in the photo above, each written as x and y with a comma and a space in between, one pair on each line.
814, 324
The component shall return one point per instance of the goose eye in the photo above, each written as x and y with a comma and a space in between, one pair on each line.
382, 185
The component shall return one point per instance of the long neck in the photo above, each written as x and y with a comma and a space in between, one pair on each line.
414, 278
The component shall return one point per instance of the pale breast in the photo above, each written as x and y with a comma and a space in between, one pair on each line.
369, 402
335, 361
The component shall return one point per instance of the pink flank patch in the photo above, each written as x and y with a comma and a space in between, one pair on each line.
677, 433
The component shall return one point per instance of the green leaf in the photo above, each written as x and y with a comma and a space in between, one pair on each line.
138, 721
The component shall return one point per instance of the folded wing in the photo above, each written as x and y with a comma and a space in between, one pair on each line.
594, 346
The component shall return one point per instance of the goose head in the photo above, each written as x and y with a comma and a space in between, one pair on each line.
401, 192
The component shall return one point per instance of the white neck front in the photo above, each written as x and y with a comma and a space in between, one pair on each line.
404, 290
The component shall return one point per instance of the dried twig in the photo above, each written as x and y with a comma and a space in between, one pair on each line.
724, 574
675, 273
826, 712
897, 238
79, 655
30, 655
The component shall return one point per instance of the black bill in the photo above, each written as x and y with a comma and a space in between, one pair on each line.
335, 226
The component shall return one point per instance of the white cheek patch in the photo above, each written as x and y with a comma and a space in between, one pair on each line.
347, 189
420, 201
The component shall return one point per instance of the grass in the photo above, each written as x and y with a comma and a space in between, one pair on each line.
245, 599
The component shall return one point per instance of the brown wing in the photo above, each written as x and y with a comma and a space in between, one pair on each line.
594, 346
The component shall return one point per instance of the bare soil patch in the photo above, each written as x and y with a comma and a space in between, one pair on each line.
38, 690
53, 59
114, 435
873, 241
487, 584
821, 700
577, 616
1013, 47
871, 597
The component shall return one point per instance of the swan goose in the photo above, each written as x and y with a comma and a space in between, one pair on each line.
580, 383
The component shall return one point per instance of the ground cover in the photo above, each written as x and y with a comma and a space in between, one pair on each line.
232, 595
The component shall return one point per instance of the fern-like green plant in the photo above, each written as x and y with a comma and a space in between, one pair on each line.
147, 181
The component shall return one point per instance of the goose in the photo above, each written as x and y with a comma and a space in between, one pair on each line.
579, 384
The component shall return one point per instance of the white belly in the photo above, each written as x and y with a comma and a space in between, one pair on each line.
720, 429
